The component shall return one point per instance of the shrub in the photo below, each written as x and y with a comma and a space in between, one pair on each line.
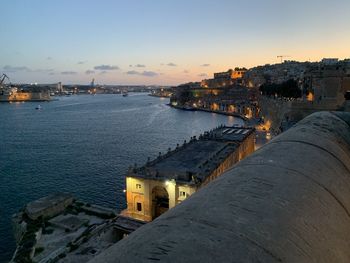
38, 250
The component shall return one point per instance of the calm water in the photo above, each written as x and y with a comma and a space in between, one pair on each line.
83, 145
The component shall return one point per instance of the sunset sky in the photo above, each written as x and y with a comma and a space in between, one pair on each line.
164, 42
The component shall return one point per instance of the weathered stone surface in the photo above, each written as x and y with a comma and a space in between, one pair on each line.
49, 205
288, 202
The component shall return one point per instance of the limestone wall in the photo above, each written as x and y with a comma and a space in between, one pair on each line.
277, 111
140, 191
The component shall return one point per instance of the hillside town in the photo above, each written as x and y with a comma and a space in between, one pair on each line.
274, 96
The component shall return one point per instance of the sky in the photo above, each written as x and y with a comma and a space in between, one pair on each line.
163, 42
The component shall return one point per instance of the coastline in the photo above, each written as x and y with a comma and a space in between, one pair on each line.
211, 111
261, 136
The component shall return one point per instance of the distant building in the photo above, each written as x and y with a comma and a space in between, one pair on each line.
224, 75
276, 73
224, 79
59, 87
329, 61
234, 100
231, 74
328, 82
168, 180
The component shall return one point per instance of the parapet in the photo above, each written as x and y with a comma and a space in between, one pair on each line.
287, 202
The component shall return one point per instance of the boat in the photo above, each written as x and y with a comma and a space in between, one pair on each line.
38, 107
188, 108
125, 93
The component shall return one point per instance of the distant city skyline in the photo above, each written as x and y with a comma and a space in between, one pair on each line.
163, 42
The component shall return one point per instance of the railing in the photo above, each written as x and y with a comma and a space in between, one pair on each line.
287, 202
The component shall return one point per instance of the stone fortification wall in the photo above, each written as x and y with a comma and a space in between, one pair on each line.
280, 111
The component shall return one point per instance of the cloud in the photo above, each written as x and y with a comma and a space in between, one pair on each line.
144, 73
52, 73
106, 67
202, 75
186, 71
133, 72
205, 65
81, 62
149, 73
88, 72
49, 58
9, 68
140, 66
69, 72
41, 70
171, 64
12, 69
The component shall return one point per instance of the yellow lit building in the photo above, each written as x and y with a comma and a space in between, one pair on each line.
238, 73
171, 178
224, 79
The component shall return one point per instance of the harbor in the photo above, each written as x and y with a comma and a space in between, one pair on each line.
175, 131
60, 228
92, 163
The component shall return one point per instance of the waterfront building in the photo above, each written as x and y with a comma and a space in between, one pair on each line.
234, 100
59, 88
171, 178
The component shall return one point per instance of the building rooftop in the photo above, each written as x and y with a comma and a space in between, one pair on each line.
231, 134
196, 159
76, 233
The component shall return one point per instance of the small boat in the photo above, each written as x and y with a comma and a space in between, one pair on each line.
188, 108
125, 94
38, 107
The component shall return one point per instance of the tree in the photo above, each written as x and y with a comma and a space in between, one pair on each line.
287, 89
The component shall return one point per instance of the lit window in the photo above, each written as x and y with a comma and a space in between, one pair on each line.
138, 186
139, 207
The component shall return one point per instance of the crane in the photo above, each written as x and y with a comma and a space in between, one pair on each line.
3, 77
282, 56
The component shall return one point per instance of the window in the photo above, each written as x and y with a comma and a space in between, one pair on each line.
182, 194
138, 186
139, 207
